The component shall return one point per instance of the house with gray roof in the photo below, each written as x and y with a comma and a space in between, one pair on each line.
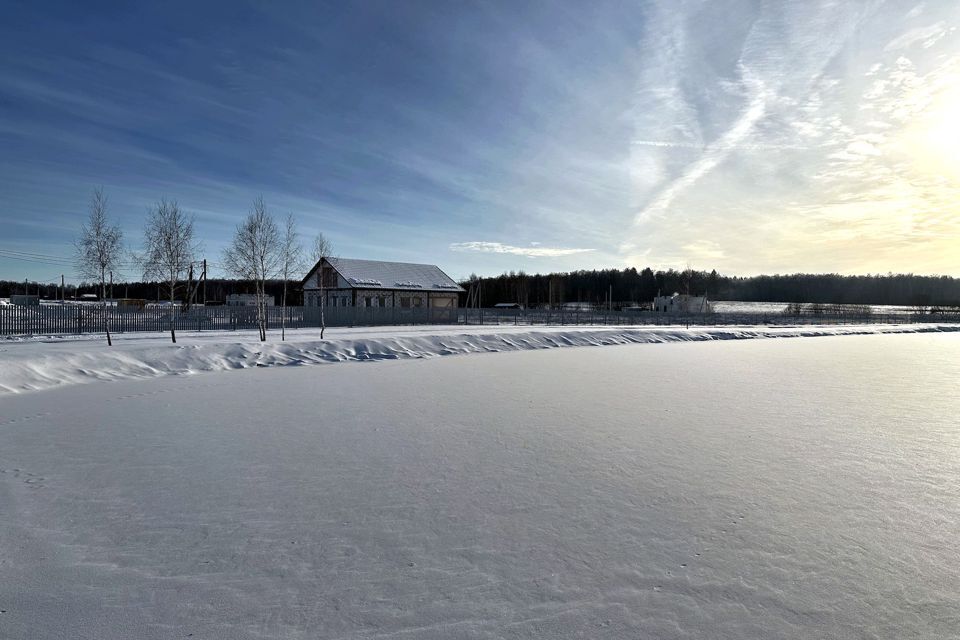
348, 282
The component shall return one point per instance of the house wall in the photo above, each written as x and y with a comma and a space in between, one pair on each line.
377, 297
338, 297
391, 298
680, 304
25, 300
380, 298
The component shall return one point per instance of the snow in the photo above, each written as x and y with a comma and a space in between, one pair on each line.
751, 489
33, 364
766, 308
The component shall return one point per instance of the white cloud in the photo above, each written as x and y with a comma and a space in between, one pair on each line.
925, 36
714, 153
916, 11
532, 251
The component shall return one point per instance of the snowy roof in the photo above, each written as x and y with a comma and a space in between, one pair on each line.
375, 274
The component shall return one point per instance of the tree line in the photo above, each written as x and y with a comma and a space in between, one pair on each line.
633, 286
212, 291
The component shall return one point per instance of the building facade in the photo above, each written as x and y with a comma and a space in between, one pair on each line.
681, 303
348, 282
23, 300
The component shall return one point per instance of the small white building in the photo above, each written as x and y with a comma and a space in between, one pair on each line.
247, 300
373, 283
681, 303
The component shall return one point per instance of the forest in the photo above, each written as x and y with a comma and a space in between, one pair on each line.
630, 286
216, 289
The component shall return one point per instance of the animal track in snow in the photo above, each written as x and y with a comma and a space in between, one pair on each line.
35, 416
30, 479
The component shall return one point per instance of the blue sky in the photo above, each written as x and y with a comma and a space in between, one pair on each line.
744, 136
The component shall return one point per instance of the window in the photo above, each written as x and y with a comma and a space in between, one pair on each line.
405, 302
368, 302
382, 301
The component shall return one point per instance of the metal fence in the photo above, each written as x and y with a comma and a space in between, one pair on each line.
78, 319
601, 317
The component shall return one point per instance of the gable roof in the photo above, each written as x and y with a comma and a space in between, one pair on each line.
376, 274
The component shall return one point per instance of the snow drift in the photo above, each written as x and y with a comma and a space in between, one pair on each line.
36, 364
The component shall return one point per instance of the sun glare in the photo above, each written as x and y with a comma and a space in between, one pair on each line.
936, 139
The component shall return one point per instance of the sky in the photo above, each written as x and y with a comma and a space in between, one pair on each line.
744, 136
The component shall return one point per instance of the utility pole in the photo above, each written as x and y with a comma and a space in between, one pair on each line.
204, 282
111, 284
190, 287
63, 292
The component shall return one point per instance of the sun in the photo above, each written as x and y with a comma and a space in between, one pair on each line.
935, 139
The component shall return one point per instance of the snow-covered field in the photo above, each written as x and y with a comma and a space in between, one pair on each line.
801, 488
30, 364
735, 306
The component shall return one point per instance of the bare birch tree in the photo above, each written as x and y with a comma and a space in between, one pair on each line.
99, 249
169, 249
322, 250
254, 254
291, 261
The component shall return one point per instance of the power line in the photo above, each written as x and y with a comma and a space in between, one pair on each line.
121, 268
51, 278
29, 256
33, 254
16, 255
